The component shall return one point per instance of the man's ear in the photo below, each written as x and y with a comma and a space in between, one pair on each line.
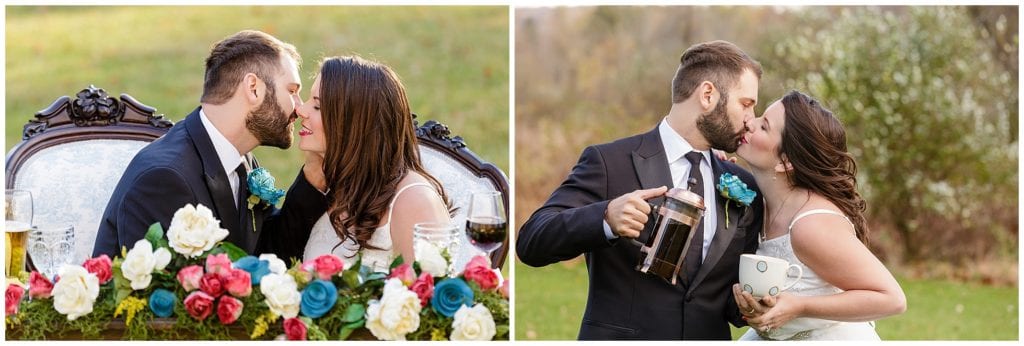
252, 88
708, 95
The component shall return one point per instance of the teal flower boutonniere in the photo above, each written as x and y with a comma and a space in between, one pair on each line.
734, 189
262, 191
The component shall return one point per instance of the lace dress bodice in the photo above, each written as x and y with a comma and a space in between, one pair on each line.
323, 240
810, 284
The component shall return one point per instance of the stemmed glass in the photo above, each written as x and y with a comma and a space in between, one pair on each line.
440, 239
51, 246
485, 221
17, 222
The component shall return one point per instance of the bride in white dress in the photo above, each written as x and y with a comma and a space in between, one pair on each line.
358, 120
814, 219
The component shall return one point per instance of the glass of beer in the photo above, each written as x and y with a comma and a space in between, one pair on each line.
17, 222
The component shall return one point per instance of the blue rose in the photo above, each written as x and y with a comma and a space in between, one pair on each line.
162, 302
450, 295
318, 298
261, 184
731, 187
256, 267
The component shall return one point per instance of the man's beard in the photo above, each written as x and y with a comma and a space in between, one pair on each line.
715, 127
270, 124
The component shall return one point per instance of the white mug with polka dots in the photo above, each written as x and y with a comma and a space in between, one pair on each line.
766, 276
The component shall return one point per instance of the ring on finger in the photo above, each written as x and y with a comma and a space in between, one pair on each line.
751, 311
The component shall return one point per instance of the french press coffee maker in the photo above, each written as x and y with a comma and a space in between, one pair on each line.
663, 252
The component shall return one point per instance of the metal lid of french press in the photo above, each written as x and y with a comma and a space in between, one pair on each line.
686, 196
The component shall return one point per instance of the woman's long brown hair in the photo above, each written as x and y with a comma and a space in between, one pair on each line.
814, 142
371, 144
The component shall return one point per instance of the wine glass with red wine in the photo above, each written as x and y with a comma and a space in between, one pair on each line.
485, 222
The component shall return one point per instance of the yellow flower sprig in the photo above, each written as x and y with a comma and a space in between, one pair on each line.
262, 324
130, 306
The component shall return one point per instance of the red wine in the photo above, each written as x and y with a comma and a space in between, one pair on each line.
486, 233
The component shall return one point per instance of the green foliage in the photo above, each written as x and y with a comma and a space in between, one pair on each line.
926, 112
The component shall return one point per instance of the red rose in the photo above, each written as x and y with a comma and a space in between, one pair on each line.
39, 286
483, 276
189, 277
238, 282
219, 263
199, 305
211, 284
294, 329
101, 267
479, 261
403, 272
327, 265
228, 309
12, 297
424, 288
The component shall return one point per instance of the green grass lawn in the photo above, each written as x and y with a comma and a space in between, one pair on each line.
452, 60
549, 304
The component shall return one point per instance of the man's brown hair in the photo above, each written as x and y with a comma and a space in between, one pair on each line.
719, 62
241, 53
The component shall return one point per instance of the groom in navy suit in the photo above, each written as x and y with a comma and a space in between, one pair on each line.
250, 92
604, 200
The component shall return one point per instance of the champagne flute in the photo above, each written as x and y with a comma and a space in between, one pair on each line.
17, 222
485, 221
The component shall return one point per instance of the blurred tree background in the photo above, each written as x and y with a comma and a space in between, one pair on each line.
453, 61
928, 96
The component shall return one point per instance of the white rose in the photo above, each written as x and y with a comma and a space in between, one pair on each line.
474, 323
194, 230
140, 262
75, 292
282, 294
276, 265
430, 259
396, 314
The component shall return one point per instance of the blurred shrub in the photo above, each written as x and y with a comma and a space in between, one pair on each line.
930, 117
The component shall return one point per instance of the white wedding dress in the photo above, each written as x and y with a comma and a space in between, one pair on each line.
804, 328
323, 240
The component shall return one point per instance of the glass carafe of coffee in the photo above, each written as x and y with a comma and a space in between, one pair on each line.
675, 219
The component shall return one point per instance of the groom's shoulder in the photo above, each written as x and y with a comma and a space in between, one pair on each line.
174, 150
622, 144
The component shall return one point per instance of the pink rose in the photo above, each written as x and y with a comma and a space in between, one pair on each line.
12, 297
218, 264
424, 288
101, 267
39, 286
479, 261
189, 277
294, 329
238, 282
483, 276
211, 284
199, 305
228, 309
405, 273
327, 265
504, 289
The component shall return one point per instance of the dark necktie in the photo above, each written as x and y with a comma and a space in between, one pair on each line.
243, 188
692, 259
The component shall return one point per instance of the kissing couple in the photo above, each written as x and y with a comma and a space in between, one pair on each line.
360, 191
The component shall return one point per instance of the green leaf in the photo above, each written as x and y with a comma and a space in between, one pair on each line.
234, 252
155, 235
501, 332
347, 330
354, 313
397, 262
122, 286
351, 278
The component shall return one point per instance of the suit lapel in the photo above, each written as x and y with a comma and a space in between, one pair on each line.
723, 235
213, 173
652, 170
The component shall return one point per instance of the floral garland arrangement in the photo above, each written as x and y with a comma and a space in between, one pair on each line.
208, 289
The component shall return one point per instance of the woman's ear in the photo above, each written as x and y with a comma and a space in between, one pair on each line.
784, 165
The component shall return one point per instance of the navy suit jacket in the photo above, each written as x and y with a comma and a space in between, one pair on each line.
182, 167
623, 303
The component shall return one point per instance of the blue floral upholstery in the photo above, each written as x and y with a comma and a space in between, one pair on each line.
72, 182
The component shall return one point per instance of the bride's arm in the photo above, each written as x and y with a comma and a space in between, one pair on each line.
415, 205
828, 246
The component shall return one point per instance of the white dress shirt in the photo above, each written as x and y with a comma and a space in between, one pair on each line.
676, 147
226, 152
